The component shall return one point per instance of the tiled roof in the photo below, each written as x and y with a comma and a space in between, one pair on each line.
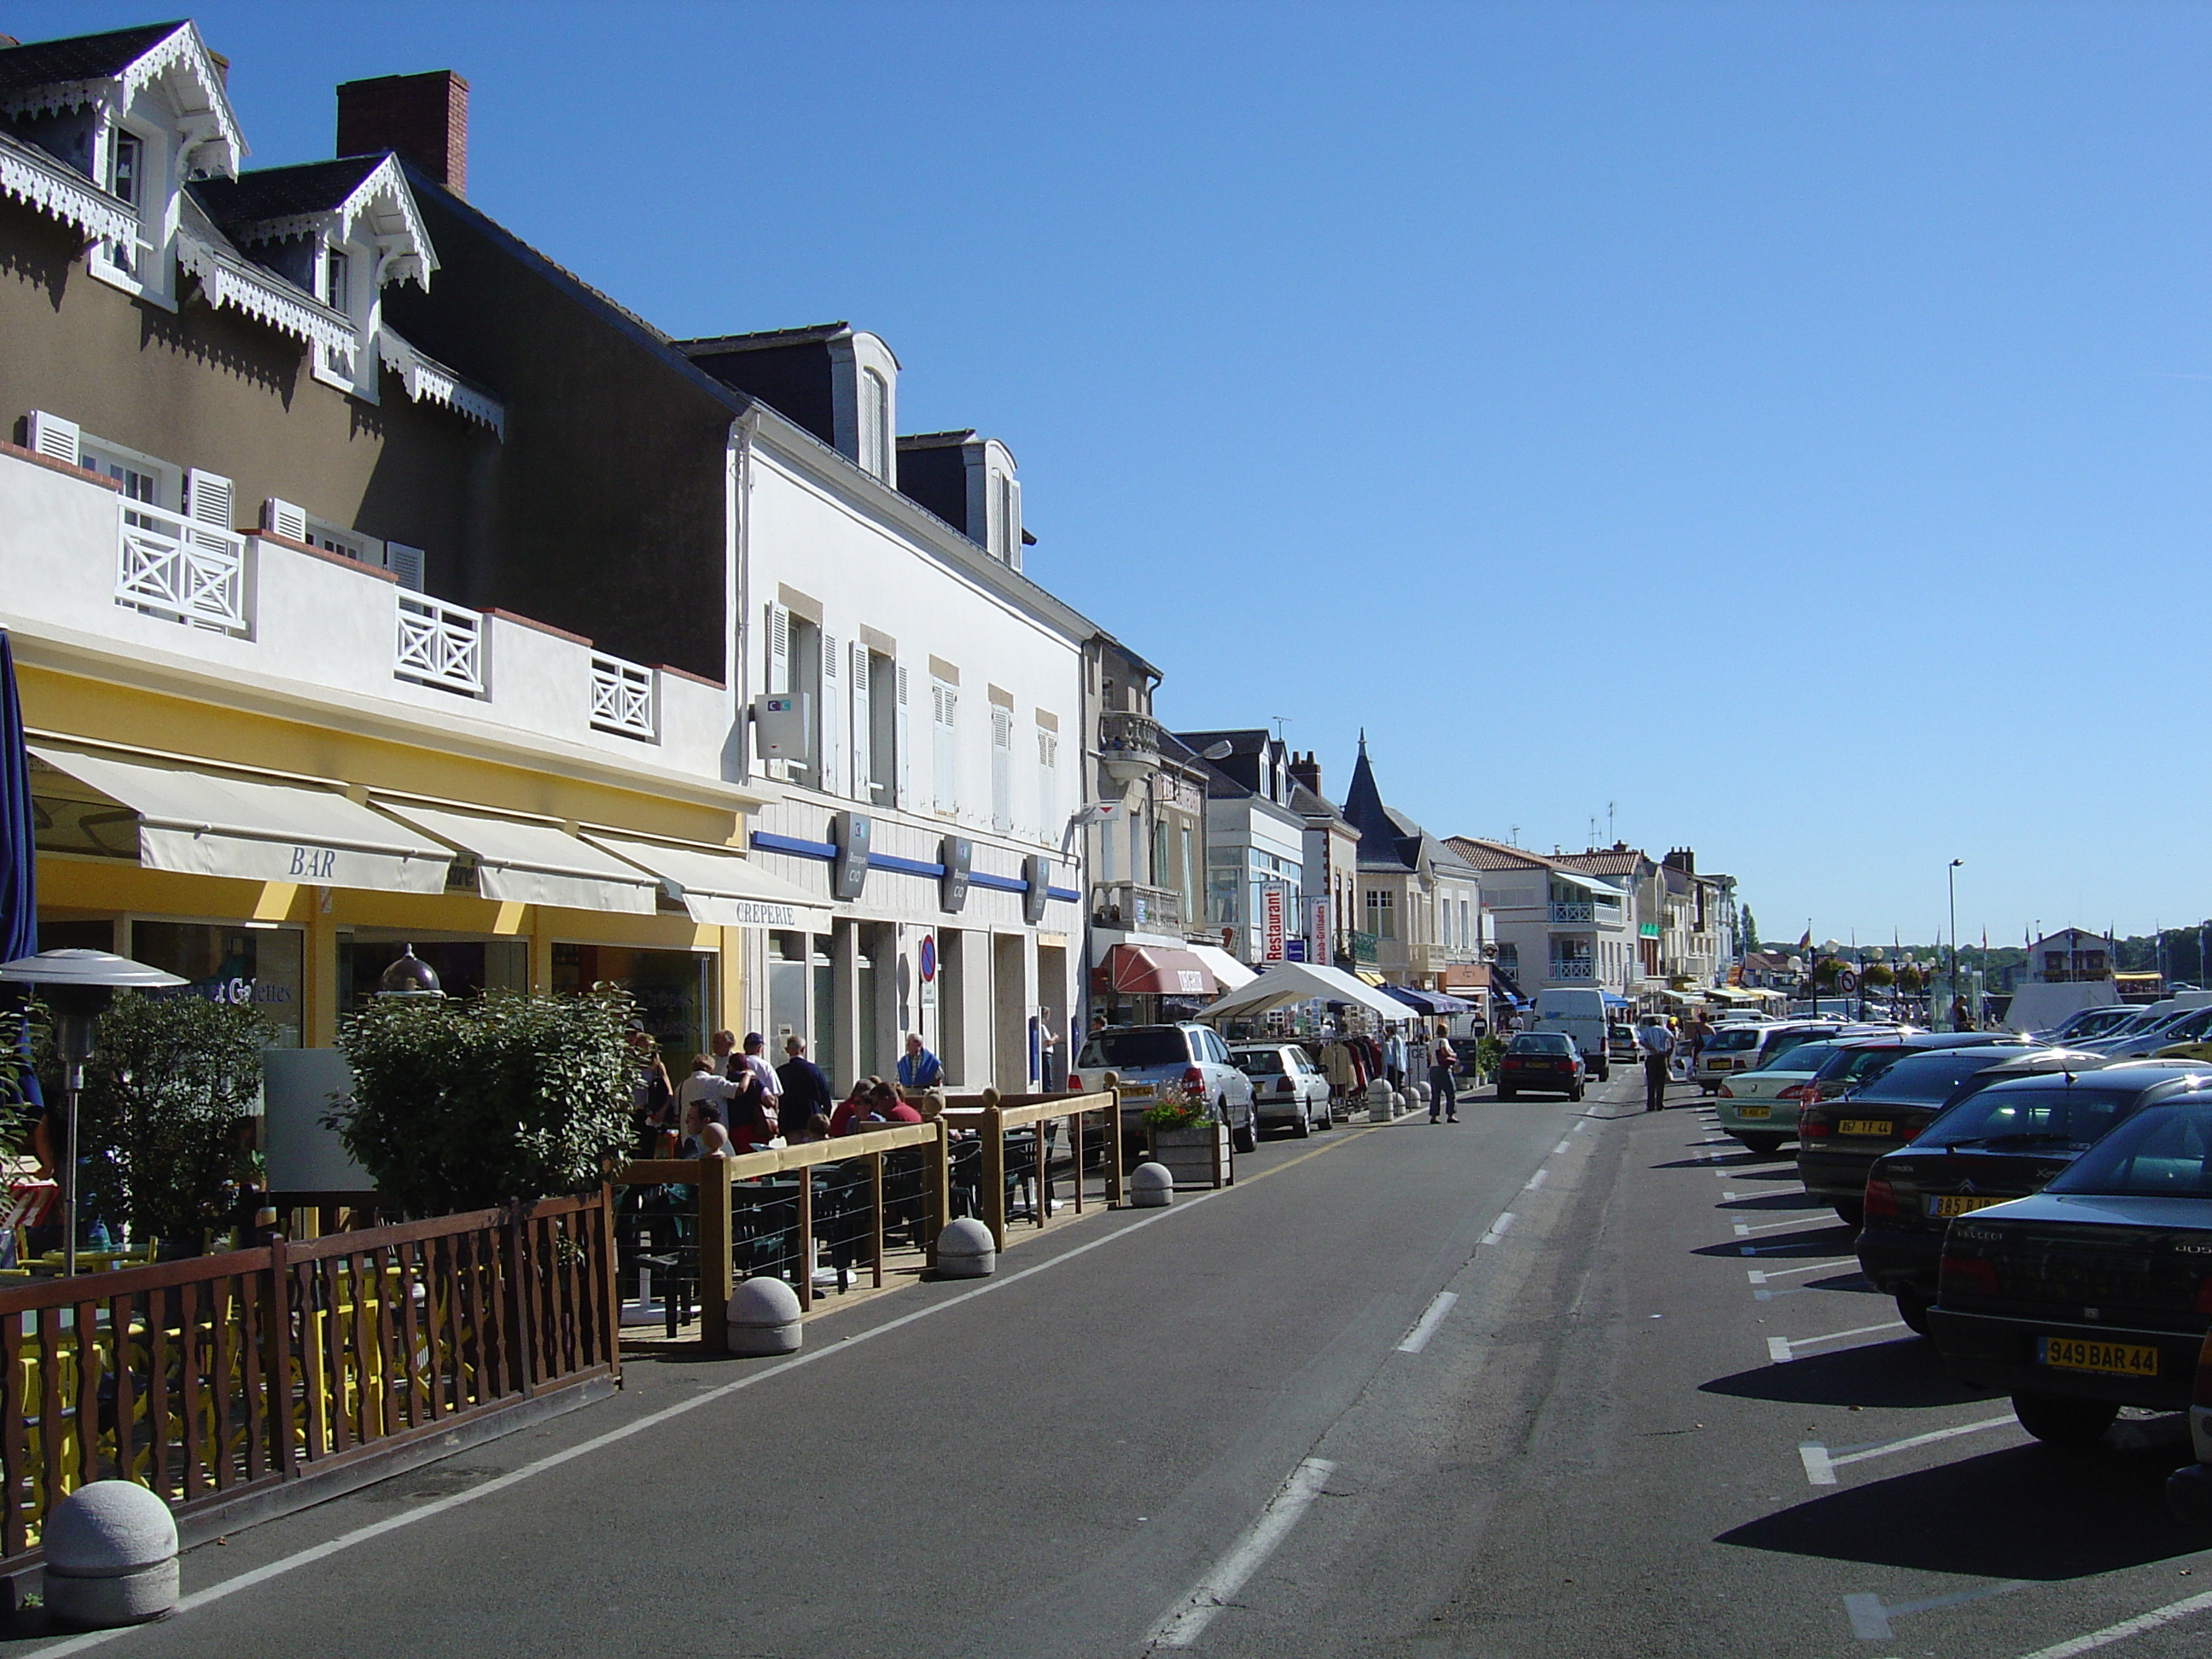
1492, 855
284, 192
81, 58
1602, 861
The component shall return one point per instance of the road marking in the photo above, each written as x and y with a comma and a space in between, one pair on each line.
1760, 1275
1561, 1147
1195, 1611
2126, 1628
1536, 1180
1820, 1463
1870, 1618
1780, 1348
1498, 1229
1745, 1230
1418, 1337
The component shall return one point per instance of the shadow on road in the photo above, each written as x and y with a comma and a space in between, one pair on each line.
1903, 1373
1774, 1202
2026, 1512
1836, 1240
1854, 1282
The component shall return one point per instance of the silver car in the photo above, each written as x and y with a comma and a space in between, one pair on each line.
1288, 1090
1155, 1063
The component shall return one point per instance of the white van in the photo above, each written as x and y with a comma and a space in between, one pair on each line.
1580, 1015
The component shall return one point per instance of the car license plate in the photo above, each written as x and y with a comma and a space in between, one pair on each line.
1720, 1064
2074, 1353
1136, 1092
1863, 1126
1950, 1204
1751, 1111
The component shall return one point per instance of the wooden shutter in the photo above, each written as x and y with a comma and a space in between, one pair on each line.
830, 764
56, 439
284, 519
862, 712
1048, 814
944, 724
1002, 769
406, 564
1014, 523
779, 650
207, 498
903, 760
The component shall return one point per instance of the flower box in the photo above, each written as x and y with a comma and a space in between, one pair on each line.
1198, 1156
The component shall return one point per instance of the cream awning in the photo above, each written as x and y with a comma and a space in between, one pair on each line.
723, 889
519, 863
1229, 974
205, 824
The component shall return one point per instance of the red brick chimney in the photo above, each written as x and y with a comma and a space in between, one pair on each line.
424, 117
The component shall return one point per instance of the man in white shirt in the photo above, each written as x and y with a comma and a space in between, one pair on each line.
757, 1062
1655, 1042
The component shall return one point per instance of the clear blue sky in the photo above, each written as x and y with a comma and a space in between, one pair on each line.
1786, 422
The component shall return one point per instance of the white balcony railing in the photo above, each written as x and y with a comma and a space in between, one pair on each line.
1572, 912
624, 698
1572, 968
439, 644
180, 568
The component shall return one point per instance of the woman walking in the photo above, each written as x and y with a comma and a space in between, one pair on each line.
1442, 1061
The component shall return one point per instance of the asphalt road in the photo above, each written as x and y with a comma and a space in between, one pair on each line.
1348, 1406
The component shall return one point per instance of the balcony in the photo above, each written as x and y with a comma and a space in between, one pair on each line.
1129, 746
1366, 948
625, 698
1132, 905
1571, 913
439, 644
1578, 969
179, 568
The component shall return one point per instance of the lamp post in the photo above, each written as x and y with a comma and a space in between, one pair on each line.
78, 985
1951, 876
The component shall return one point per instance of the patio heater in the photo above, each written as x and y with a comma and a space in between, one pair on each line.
78, 985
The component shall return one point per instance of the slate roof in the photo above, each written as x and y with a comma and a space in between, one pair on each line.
80, 58
284, 192
711, 345
1389, 840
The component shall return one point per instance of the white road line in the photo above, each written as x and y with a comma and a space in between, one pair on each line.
308, 1557
1778, 1351
1536, 1180
1760, 1275
1561, 1147
1781, 1347
1870, 1617
1744, 1230
1499, 1229
1426, 1326
1195, 1611
1820, 1463
2126, 1628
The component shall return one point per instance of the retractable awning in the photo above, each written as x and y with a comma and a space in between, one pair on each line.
519, 863
205, 824
722, 889
1429, 1002
1305, 981
1141, 970
1228, 973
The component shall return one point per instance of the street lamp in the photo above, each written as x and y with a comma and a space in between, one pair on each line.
1951, 876
78, 985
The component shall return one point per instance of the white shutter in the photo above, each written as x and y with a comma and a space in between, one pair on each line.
56, 439
207, 497
1002, 769
829, 775
862, 713
1014, 523
406, 564
944, 724
779, 650
1048, 815
903, 733
284, 519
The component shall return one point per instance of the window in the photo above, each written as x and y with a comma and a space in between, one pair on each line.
337, 285
126, 162
994, 508
944, 731
1049, 812
1002, 769
140, 478
875, 424
1382, 912
1509, 958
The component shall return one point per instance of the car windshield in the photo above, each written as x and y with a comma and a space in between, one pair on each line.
1801, 1055
1132, 1049
2054, 1114
1258, 1062
1860, 1064
2166, 1150
1728, 1041
1541, 1042
1929, 1080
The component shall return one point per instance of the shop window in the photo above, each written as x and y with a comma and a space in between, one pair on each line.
465, 967
258, 967
673, 990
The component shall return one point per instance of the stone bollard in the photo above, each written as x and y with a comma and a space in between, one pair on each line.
111, 1550
1379, 1102
763, 1318
1150, 1186
1421, 1093
965, 1250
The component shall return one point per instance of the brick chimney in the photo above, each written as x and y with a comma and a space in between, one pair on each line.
424, 117
1682, 858
1305, 769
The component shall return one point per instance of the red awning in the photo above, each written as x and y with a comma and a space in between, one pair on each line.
1140, 971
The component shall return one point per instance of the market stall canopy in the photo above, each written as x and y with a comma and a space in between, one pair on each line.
1146, 971
1305, 981
722, 889
1435, 1003
519, 863
1614, 1000
1228, 973
205, 823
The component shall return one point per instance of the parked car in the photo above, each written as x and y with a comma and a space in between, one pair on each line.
2093, 1294
1541, 1062
1154, 1063
1732, 1048
1580, 1015
1993, 1141
1852, 1113
1288, 1090
2188, 1488
2192, 1025
2141, 1024
1620, 1042
1757, 1104
2086, 1023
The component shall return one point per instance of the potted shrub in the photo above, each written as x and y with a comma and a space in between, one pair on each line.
1186, 1137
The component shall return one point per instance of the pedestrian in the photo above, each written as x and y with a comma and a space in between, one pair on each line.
1655, 1042
723, 1045
1442, 1063
1394, 1057
651, 1099
1047, 1056
918, 1068
708, 1136
806, 1091
751, 1118
755, 1060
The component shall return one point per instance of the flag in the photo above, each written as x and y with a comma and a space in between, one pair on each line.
1805, 944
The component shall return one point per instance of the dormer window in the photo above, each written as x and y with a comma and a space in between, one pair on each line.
126, 155
875, 424
337, 295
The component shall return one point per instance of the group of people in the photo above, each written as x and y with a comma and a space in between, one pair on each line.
733, 1101
1351, 1060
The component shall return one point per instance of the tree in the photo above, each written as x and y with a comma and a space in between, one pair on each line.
1826, 971
1750, 930
1879, 974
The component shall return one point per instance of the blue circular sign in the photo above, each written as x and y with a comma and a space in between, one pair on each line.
929, 955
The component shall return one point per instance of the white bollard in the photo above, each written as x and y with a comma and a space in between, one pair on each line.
763, 1318
1379, 1102
1421, 1093
1150, 1186
110, 1556
965, 1250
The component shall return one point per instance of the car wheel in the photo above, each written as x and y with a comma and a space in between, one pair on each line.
1575, 1093
1765, 1145
1605, 1074
1912, 1308
2057, 1421
1327, 1116
1246, 1140
1852, 1211
1302, 1126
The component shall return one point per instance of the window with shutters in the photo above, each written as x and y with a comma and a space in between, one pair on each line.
803, 641
881, 677
1049, 817
141, 478
945, 746
1002, 769
835, 721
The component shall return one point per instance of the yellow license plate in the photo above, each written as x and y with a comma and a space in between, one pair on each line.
1958, 1204
1863, 1126
1136, 1092
2074, 1353
1751, 1111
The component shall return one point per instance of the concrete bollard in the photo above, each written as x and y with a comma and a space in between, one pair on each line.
965, 1250
1421, 1093
111, 1550
1150, 1186
763, 1318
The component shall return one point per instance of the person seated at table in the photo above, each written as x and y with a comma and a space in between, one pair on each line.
884, 1104
854, 1111
818, 1127
708, 1137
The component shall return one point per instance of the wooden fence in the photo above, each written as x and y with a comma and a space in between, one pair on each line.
214, 1378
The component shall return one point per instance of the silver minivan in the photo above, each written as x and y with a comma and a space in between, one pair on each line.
1154, 1063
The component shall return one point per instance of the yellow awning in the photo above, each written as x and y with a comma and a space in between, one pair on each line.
1366, 977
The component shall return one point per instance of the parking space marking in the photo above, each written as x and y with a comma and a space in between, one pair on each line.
1744, 1230
1870, 1617
1821, 1464
1211, 1594
1498, 1229
1783, 1349
2126, 1628
1760, 1275
1426, 1326
1536, 1180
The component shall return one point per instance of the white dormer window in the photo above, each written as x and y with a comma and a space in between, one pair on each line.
875, 422
864, 398
337, 293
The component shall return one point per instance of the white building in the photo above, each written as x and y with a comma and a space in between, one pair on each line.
1555, 926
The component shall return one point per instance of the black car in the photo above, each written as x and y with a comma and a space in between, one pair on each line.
1542, 1062
1851, 1114
2095, 1293
1996, 1140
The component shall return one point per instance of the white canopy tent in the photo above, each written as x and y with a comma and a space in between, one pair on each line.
1307, 981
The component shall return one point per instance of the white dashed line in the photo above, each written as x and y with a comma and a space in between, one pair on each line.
1418, 1337
1212, 1593
1561, 1147
1499, 1229
1536, 1180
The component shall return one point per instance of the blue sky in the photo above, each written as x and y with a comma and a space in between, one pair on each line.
1786, 423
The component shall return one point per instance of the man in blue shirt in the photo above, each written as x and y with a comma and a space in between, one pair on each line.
918, 1068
